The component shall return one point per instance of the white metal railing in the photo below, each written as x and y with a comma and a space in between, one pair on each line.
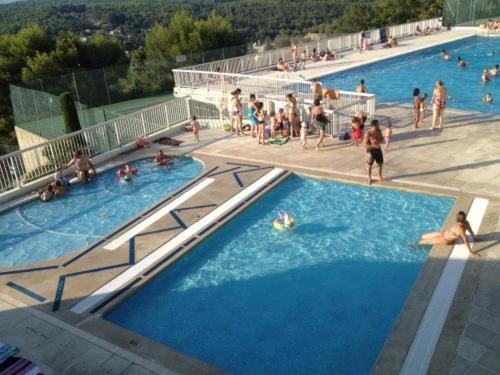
267, 59
228, 82
31, 163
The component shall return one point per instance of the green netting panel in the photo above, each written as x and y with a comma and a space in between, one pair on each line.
469, 12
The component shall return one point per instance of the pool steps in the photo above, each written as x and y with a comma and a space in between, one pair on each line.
419, 356
134, 271
125, 237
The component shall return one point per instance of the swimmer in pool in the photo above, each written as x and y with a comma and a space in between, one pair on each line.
488, 99
445, 55
484, 77
494, 71
461, 63
126, 173
450, 237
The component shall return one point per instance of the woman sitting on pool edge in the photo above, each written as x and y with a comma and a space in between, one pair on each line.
450, 237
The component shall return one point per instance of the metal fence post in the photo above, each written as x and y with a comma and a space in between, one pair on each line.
106, 83
143, 124
78, 98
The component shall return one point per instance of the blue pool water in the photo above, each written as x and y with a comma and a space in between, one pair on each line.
393, 80
40, 231
319, 299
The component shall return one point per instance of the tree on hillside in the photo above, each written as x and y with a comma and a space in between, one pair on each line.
14, 50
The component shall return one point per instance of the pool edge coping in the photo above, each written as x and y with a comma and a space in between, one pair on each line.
404, 329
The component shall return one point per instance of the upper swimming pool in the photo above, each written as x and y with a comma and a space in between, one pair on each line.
393, 80
319, 299
40, 231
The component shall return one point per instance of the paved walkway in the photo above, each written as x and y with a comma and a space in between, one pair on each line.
59, 348
465, 156
353, 59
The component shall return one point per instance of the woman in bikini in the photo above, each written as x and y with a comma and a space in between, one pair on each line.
235, 113
293, 116
450, 237
438, 105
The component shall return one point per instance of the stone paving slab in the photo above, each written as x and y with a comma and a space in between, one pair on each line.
464, 157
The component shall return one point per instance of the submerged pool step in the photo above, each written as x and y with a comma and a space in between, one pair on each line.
134, 271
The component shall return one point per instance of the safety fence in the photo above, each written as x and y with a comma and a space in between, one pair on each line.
270, 58
228, 82
31, 163
470, 12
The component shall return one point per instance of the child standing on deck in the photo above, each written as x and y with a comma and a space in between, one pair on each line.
272, 124
195, 125
260, 115
422, 108
356, 131
303, 135
387, 135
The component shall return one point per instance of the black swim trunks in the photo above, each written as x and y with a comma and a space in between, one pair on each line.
375, 155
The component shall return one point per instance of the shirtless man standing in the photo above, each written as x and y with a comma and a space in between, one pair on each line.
316, 90
372, 141
84, 168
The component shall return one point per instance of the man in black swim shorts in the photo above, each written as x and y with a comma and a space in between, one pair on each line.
372, 141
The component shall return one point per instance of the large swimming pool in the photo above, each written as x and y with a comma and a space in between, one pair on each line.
40, 231
393, 80
319, 299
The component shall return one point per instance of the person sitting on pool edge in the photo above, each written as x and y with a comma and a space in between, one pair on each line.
84, 168
161, 160
47, 193
450, 237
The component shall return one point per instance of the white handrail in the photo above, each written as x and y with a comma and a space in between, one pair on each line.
266, 59
34, 162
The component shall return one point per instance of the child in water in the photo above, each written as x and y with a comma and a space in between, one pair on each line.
47, 193
488, 99
423, 108
127, 173
303, 136
387, 135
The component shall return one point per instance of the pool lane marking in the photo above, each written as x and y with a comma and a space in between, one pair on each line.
116, 243
118, 282
176, 251
424, 343
26, 291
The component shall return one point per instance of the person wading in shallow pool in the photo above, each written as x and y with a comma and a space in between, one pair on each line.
372, 141
84, 168
450, 237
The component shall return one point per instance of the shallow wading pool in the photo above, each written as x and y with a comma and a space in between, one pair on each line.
39, 231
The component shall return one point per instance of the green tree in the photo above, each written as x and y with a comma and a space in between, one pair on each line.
70, 115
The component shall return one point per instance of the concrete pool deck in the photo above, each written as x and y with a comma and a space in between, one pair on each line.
353, 58
462, 161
